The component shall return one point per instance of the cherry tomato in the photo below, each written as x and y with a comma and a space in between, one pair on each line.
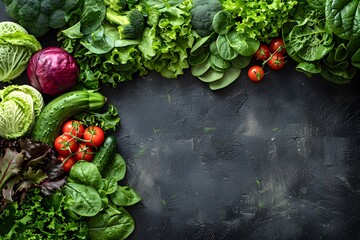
65, 144
277, 61
277, 43
84, 152
74, 128
256, 73
262, 53
94, 136
67, 165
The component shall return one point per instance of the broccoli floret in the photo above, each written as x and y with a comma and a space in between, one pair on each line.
37, 16
202, 15
131, 23
116, 5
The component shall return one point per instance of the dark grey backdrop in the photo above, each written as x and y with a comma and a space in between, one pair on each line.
273, 160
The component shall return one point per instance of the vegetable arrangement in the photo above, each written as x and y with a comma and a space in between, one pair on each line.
60, 172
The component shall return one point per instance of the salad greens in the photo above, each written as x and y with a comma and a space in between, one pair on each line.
102, 201
25, 164
312, 38
40, 217
16, 48
259, 20
106, 55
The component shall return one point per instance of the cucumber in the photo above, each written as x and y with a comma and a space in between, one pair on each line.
59, 110
105, 154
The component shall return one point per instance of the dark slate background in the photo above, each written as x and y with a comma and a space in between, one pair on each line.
272, 160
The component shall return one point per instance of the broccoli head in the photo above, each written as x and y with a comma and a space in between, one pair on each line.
202, 15
130, 23
38, 16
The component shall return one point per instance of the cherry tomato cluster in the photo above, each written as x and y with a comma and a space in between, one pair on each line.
272, 55
77, 142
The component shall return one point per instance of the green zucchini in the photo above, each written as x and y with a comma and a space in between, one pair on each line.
55, 113
105, 154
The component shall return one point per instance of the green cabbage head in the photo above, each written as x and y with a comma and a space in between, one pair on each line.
16, 48
19, 108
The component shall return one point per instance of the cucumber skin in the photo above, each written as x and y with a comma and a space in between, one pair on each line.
47, 127
105, 154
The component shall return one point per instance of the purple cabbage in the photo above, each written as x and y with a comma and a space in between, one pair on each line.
53, 71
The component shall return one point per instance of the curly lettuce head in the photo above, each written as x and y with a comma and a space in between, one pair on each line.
259, 19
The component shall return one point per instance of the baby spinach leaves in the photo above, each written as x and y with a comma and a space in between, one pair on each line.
100, 199
217, 59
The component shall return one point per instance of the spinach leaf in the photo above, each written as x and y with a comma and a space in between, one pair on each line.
117, 169
242, 44
222, 22
311, 40
211, 75
309, 68
224, 48
102, 40
200, 69
241, 61
344, 17
355, 59
111, 224
229, 76
86, 173
83, 200
125, 196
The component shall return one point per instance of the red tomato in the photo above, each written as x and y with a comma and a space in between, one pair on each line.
67, 165
94, 136
277, 43
65, 144
256, 73
84, 152
74, 128
262, 53
277, 61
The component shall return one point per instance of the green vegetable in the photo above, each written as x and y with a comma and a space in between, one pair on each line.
202, 14
16, 48
105, 120
223, 21
311, 39
37, 16
40, 217
102, 56
131, 23
219, 61
343, 18
60, 109
19, 108
98, 195
167, 37
116, 5
111, 224
105, 154
124, 196
259, 20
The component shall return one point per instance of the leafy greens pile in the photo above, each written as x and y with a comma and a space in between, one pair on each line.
96, 37
323, 37
25, 164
